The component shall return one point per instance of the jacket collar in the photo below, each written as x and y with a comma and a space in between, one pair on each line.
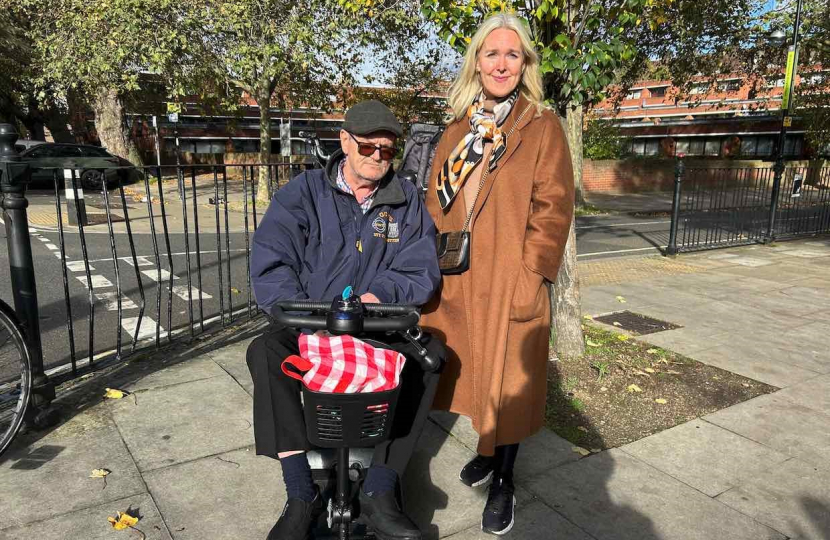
390, 192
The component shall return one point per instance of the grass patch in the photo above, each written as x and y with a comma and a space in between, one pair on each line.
589, 209
622, 390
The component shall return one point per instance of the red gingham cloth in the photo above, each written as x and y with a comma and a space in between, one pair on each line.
344, 365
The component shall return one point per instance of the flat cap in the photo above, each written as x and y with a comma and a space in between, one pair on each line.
370, 116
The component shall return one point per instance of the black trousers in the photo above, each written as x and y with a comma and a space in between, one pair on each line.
279, 424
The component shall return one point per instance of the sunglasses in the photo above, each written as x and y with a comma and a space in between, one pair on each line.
367, 150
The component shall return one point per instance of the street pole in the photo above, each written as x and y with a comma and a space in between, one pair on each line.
786, 121
679, 170
15, 177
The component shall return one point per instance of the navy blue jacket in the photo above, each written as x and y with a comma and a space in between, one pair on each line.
314, 240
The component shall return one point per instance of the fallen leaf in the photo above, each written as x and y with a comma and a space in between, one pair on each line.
622, 337
234, 290
99, 473
616, 323
661, 401
588, 318
621, 300
596, 450
652, 351
582, 428
673, 372
649, 370
603, 389
634, 388
745, 385
114, 393
591, 343
581, 451
638, 372
122, 521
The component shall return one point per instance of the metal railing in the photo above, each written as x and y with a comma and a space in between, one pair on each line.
156, 254
723, 207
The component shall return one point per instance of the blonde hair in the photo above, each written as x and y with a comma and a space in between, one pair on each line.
467, 84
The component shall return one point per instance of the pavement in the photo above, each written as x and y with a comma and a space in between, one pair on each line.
180, 447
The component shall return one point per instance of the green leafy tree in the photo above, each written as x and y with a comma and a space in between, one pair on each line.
603, 140
103, 51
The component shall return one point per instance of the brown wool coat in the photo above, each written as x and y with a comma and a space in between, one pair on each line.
495, 318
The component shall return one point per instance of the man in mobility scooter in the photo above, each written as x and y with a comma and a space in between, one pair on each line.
357, 224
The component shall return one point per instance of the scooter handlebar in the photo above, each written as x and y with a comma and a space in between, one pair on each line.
402, 317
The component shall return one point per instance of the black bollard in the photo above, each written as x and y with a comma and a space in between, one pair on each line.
14, 177
679, 170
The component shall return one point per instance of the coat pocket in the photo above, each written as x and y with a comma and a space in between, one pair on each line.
529, 297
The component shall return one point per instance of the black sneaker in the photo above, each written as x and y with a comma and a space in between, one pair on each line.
501, 503
382, 513
297, 518
477, 472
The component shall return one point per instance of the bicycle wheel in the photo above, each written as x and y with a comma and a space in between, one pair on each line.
15, 376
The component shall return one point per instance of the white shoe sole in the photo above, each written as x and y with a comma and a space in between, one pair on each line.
480, 482
506, 529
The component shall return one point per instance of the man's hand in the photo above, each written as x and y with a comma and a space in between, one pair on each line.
369, 298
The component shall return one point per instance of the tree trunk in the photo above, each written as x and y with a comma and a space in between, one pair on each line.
57, 120
111, 125
263, 99
573, 127
566, 309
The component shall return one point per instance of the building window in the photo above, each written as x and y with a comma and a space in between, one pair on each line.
658, 92
765, 146
638, 147
699, 89
792, 146
696, 147
749, 146
246, 146
712, 147
634, 94
729, 86
682, 147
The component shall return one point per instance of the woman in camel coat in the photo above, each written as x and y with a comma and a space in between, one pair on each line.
495, 317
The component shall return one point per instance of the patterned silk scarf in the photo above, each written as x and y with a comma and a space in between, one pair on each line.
470, 150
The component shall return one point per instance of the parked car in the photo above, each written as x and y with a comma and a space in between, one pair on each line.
88, 160
21, 145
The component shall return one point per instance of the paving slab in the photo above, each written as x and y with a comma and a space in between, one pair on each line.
169, 425
813, 394
50, 476
434, 497
614, 496
781, 424
542, 451
793, 498
233, 360
534, 520
704, 456
158, 375
227, 496
91, 523
759, 362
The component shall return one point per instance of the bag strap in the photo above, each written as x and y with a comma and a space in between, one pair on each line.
485, 163
300, 364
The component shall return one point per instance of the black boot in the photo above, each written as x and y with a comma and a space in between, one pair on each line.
297, 518
382, 513
501, 503
478, 471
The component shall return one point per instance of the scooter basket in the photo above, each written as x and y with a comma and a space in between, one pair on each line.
349, 420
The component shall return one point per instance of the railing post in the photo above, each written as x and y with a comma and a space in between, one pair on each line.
15, 176
778, 173
679, 171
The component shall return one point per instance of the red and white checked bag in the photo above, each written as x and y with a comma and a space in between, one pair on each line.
344, 365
